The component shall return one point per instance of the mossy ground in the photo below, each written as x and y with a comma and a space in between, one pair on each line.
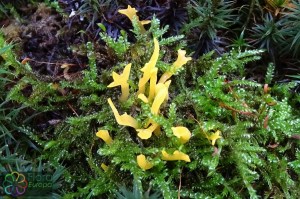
55, 68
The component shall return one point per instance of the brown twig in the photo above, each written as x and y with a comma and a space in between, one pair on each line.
221, 104
25, 60
179, 186
69, 105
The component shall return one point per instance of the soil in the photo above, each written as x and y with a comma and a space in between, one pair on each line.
44, 38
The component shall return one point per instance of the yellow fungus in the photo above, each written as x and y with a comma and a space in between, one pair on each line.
160, 85
122, 80
125, 119
153, 80
131, 13
177, 155
147, 133
143, 98
144, 22
213, 137
143, 162
181, 60
148, 68
159, 99
182, 133
104, 135
165, 77
157, 131
104, 167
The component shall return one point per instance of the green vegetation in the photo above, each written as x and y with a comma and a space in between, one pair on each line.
80, 105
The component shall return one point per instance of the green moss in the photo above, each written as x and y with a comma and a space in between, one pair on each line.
256, 155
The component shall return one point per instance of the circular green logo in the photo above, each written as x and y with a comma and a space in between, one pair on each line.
15, 184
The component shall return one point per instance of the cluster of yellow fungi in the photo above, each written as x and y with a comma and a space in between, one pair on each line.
156, 96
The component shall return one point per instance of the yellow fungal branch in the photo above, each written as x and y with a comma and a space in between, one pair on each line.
160, 97
177, 155
181, 60
131, 14
148, 68
182, 133
125, 119
213, 137
104, 135
143, 162
122, 80
157, 131
161, 85
104, 167
143, 98
153, 80
147, 133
